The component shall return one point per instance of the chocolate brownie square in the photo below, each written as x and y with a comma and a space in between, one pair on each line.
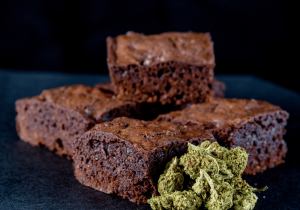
55, 117
126, 156
256, 126
167, 68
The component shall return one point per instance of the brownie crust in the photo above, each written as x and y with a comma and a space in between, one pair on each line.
256, 126
179, 71
126, 156
57, 116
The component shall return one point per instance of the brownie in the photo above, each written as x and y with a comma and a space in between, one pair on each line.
256, 126
55, 117
168, 68
126, 156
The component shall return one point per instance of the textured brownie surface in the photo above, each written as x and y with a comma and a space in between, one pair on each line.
136, 48
254, 125
167, 68
126, 156
56, 116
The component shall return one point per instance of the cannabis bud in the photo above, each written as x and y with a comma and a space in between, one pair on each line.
212, 178
172, 178
185, 200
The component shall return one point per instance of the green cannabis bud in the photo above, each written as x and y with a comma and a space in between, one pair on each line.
185, 200
236, 160
198, 158
172, 179
207, 174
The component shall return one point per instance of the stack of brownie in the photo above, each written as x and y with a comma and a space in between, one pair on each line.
167, 79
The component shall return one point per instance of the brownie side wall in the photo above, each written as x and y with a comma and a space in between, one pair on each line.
262, 138
111, 60
166, 82
42, 123
106, 163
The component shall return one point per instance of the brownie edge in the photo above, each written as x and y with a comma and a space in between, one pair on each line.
126, 156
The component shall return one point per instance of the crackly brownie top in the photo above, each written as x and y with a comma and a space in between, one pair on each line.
149, 135
85, 99
220, 112
136, 48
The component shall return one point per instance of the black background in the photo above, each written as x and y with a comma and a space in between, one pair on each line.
251, 36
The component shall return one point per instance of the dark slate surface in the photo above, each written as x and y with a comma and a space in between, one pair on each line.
35, 178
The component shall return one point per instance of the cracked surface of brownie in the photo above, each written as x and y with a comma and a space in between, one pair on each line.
126, 156
55, 117
167, 68
254, 125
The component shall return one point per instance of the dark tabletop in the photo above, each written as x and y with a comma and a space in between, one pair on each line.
35, 178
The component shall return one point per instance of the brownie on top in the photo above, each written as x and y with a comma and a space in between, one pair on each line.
167, 68
254, 125
56, 116
126, 156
